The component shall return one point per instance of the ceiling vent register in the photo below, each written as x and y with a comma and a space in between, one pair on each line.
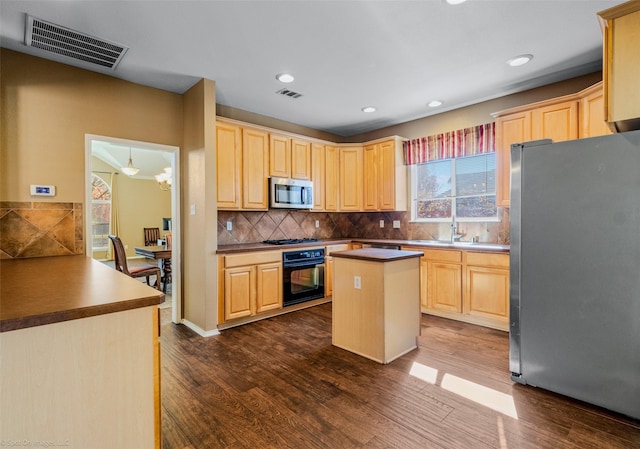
289, 93
73, 44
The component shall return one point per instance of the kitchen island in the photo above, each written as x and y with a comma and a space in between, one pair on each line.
80, 355
376, 302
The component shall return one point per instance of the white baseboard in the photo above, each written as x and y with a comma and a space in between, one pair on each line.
198, 330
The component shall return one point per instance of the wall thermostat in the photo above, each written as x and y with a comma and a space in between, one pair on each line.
37, 190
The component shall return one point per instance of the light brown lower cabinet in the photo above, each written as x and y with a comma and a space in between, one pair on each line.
467, 286
486, 288
328, 266
252, 283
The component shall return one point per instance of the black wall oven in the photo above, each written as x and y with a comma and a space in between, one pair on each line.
303, 275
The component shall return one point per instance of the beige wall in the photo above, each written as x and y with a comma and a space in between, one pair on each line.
47, 108
270, 122
141, 205
199, 208
480, 113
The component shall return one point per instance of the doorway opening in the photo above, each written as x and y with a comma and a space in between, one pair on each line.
124, 204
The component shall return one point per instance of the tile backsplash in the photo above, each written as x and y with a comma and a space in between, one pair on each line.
39, 228
251, 227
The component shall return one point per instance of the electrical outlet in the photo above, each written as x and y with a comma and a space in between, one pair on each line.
357, 282
382, 223
193, 209
396, 224
317, 223
229, 225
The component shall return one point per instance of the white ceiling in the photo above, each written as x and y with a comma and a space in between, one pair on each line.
394, 55
151, 162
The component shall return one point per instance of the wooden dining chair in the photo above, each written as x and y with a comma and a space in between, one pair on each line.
138, 272
151, 236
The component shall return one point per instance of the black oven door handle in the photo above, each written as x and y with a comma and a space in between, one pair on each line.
303, 264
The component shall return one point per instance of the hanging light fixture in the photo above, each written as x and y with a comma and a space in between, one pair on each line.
165, 179
130, 170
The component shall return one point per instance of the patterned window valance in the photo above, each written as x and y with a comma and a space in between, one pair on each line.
462, 142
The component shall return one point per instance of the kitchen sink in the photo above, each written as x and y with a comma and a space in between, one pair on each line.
449, 244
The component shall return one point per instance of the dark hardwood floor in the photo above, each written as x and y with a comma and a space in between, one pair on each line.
278, 383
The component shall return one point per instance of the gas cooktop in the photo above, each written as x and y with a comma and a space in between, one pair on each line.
289, 241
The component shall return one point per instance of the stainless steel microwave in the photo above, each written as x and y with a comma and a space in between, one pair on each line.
286, 193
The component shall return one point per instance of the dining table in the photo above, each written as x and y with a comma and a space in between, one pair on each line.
162, 254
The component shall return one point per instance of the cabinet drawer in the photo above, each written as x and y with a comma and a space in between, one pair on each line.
252, 258
487, 259
331, 248
443, 255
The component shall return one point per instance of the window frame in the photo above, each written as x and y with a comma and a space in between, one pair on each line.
93, 202
413, 175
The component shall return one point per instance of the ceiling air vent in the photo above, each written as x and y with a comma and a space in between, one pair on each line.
289, 93
63, 41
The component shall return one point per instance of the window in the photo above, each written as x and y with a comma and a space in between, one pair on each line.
100, 213
462, 188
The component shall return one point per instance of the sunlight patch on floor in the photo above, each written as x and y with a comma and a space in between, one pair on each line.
424, 372
488, 397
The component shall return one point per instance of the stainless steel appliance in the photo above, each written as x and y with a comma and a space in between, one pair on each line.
303, 275
575, 269
286, 193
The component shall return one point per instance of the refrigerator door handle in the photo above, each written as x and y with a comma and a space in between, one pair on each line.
515, 356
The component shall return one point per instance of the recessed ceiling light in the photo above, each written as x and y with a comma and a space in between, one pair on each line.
369, 109
284, 78
434, 103
519, 60
455, 2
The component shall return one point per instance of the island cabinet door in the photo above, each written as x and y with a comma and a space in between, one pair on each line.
269, 285
239, 292
444, 286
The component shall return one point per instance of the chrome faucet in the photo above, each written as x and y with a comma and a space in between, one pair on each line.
454, 235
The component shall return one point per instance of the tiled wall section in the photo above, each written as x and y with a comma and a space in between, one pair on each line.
37, 229
251, 227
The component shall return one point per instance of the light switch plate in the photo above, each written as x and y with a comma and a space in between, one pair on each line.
317, 223
229, 225
396, 224
382, 223
193, 209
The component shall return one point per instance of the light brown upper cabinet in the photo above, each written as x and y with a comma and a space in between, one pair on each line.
289, 157
279, 156
318, 175
229, 165
332, 178
370, 178
592, 122
510, 128
385, 176
242, 155
621, 65
351, 178
564, 118
255, 157
300, 159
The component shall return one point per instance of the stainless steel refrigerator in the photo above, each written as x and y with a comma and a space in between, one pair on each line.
575, 269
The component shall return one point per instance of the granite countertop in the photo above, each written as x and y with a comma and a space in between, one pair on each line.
377, 254
467, 246
46, 290
259, 246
